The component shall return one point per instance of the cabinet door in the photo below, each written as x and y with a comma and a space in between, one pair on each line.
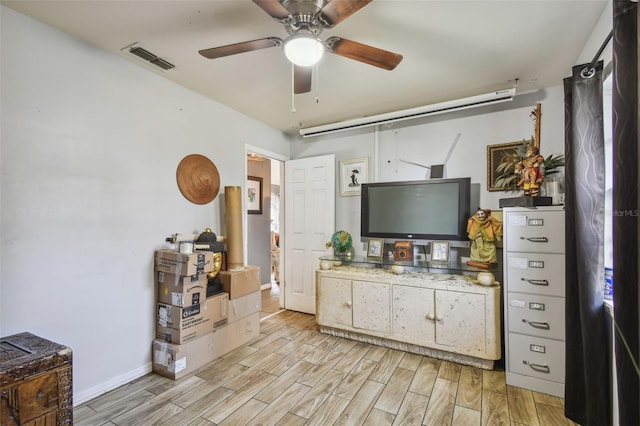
460, 321
371, 306
333, 302
413, 314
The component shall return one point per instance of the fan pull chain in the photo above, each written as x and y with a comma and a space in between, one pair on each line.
293, 97
317, 83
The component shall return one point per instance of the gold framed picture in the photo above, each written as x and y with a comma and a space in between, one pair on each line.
440, 251
501, 160
375, 249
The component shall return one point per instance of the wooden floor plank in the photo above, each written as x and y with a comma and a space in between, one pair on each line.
294, 375
470, 388
494, 381
441, 403
522, 407
495, 410
395, 390
449, 371
358, 409
318, 394
328, 412
378, 418
463, 416
354, 380
386, 366
412, 410
280, 406
425, 376
245, 414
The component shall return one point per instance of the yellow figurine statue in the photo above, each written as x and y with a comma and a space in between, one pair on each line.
483, 231
529, 171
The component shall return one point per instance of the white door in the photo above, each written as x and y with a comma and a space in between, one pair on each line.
309, 218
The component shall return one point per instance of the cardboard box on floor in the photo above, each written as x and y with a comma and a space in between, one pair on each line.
172, 262
239, 283
176, 361
183, 291
244, 306
181, 325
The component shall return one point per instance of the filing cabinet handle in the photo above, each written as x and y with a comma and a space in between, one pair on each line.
536, 282
535, 324
536, 239
540, 368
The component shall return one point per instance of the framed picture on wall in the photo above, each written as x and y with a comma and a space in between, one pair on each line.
353, 173
501, 161
254, 195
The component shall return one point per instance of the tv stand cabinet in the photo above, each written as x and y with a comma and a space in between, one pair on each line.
445, 316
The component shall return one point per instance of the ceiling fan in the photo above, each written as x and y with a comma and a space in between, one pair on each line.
304, 20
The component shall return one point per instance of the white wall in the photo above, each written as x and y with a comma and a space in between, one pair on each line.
427, 141
89, 148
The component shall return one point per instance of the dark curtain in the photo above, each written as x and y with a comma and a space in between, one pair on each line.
586, 367
625, 206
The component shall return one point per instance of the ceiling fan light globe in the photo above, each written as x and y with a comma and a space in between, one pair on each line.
303, 50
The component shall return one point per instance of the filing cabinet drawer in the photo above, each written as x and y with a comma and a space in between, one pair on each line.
536, 273
541, 316
536, 357
535, 231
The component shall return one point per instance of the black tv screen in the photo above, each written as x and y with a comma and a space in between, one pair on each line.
436, 209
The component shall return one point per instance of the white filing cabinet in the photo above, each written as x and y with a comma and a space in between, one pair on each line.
534, 298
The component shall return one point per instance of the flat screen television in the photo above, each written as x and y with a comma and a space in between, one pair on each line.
435, 209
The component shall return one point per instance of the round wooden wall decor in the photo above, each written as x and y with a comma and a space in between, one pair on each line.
198, 179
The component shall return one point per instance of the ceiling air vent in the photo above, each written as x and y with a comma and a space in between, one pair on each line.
142, 53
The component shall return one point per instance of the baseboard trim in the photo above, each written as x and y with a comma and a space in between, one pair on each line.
265, 286
111, 384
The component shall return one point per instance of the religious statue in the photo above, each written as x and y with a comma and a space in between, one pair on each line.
529, 172
483, 231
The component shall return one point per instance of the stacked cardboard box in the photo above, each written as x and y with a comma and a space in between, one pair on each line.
192, 329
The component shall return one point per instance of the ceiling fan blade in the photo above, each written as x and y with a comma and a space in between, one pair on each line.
301, 79
337, 11
363, 53
273, 7
246, 46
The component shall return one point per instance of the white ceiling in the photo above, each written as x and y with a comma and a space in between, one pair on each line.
452, 49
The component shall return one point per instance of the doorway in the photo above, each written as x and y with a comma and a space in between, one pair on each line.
264, 239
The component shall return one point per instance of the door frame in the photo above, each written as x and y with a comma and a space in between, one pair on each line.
279, 157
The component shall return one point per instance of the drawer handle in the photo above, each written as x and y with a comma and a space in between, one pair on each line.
536, 239
535, 324
536, 282
539, 368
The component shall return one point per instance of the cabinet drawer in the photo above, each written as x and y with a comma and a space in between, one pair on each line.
541, 316
535, 231
536, 273
536, 357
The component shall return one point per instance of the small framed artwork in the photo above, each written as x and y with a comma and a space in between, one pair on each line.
375, 249
440, 251
254, 195
353, 173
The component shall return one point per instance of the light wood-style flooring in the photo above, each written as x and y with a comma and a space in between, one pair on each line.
294, 375
270, 300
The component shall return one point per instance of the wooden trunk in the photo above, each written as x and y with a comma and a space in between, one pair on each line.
35, 381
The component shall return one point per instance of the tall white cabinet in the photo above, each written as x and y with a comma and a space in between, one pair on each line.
534, 298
